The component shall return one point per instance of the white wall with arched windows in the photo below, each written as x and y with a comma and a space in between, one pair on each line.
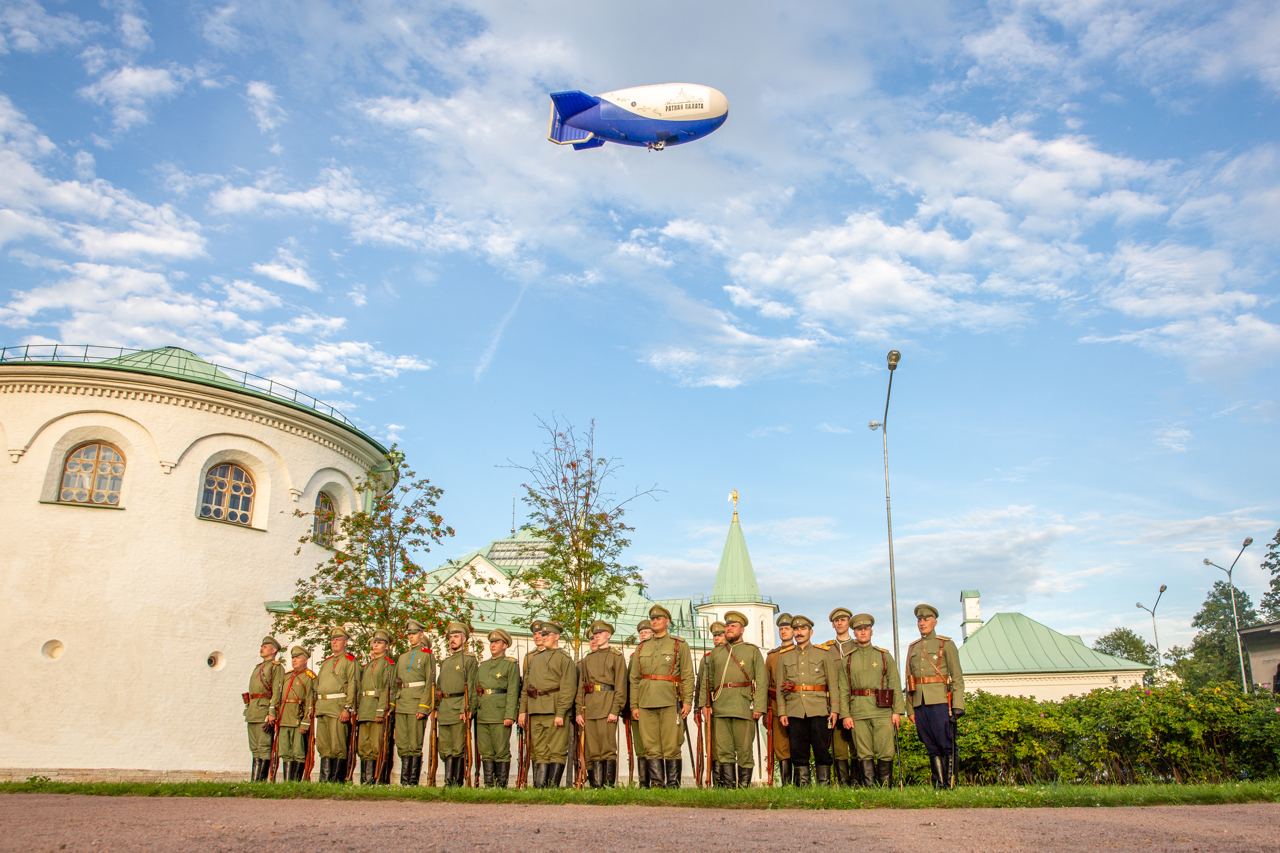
138, 615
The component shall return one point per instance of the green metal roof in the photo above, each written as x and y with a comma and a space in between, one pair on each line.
178, 363
735, 578
1014, 643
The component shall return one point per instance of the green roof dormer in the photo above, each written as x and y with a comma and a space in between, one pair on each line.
735, 578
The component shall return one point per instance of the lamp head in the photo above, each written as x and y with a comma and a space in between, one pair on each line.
1139, 606
873, 425
893, 358
1163, 587
1248, 540
1208, 562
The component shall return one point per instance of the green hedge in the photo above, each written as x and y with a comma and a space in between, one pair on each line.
1140, 734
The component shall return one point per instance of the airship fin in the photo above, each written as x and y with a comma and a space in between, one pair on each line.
566, 105
590, 143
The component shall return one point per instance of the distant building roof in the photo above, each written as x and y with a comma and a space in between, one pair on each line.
1014, 643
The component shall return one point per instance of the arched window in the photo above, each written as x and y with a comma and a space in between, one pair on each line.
92, 474
228, 494
323, 520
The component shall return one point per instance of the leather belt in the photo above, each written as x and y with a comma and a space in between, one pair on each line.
370, 692
735, 684
490, 691
861, 691
534, 693
293, 701
333, 696
931, 679
672, 678
259, 695
810, 688
595, 687
415, 684
453, 695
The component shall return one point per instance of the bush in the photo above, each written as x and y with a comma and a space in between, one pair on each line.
1139, 734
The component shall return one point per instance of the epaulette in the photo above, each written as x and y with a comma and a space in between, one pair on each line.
942, 638
879, 649
828, 645
782, 650
707, 652
425, 650
350, 656
615, 650
391, 661
311, 674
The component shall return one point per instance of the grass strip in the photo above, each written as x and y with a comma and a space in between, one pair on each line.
993, 796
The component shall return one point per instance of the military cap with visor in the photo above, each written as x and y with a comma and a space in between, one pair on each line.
600, 625
549, 627
717, 628
644, 625
497, 634
658, 610
862, 620
783, 620
381, 635
456, 628
337, 632
413, 626
272, 641
735, 616
299, 652
799, 621
923, 610
838, 612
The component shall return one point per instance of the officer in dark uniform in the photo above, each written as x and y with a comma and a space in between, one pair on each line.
936, 686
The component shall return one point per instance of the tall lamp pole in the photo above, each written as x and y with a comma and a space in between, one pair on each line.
1154, 629
883, 425
1235, 617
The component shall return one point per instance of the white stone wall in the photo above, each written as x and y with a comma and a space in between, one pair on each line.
141, 597
761, 631
1050, 686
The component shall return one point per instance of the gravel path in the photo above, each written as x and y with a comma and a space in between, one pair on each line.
56, 822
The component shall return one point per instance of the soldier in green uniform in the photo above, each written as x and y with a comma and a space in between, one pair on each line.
602, 692
701, 692
550, 685
661, 685
373, 711
498, 705
875, 702
842, 738
737, 686
297, 701
456, 686
936, 685
415, 700
262, 706
813, 701
336, 686
781, 743
644, 630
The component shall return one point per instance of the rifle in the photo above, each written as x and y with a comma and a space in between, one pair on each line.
520, 757
581, 776
687, 742
311, 746
768, 734
954, 757
475, 739
711, 743
631, 750
384, 758
466, 737
434, 761
351, 747
275, 748
697, 765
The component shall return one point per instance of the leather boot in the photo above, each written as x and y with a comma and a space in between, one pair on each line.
367, 770
611, 772
540, 775
801, 774
868, 771
884, 772
501, 770
744, 776
715, 774
286, 771
410, 775
674, 767
486, 771
298, 767
784, 771
326, 768
823, 772
340, 772
253, 769
642, 771
599, 774
842, 771
459, 771
557, 776
935, 771
657, 775
948, 773
727, 775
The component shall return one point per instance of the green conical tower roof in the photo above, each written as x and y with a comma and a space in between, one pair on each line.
736, 578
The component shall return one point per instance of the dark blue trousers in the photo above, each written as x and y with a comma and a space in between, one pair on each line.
934, 725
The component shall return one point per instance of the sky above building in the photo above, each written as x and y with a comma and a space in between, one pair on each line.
1063, 214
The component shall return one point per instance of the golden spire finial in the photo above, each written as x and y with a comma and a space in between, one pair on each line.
733, 496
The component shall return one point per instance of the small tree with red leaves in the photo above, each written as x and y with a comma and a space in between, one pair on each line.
372, 577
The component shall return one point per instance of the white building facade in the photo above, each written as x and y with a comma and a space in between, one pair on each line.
148, 500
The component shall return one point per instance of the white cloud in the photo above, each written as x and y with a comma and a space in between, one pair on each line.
130, 90
25, 26
218, 27
1173, 438
265, 105
248, 297
1204, 536
134, 30
767, 431
1172, 280
834, 429
288, 269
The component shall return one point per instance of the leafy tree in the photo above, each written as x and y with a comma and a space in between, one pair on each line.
580, 531
1125, 643
1213, 656
371, 577
1271, 598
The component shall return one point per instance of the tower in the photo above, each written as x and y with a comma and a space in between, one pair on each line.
736, 588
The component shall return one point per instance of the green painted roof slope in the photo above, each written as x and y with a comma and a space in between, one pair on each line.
173, 361
735, 578
1012, 642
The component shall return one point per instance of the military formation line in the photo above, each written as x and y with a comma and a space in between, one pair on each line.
830, 712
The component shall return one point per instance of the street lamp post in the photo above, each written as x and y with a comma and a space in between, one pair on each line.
1154, 629
883, 425
1235, 617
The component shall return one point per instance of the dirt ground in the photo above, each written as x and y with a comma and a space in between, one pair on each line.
57, 822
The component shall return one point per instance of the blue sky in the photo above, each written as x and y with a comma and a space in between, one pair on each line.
1062, 213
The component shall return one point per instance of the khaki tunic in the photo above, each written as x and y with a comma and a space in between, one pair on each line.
415, 694
813, 666
337, 684
842, 739
550, 682
661, 680
377, 689
781, 742
936, 657
870, 668
498, 686
602, 690
265, 684
297, 701
457, 685
737, 687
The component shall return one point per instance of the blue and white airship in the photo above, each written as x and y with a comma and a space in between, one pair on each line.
652, 116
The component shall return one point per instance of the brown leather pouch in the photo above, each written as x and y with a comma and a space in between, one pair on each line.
245, 697
884, 698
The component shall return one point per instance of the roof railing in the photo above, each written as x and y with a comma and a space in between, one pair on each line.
160, 362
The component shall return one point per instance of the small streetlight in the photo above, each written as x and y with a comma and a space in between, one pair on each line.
892, 360
1235, 617
1154, 629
